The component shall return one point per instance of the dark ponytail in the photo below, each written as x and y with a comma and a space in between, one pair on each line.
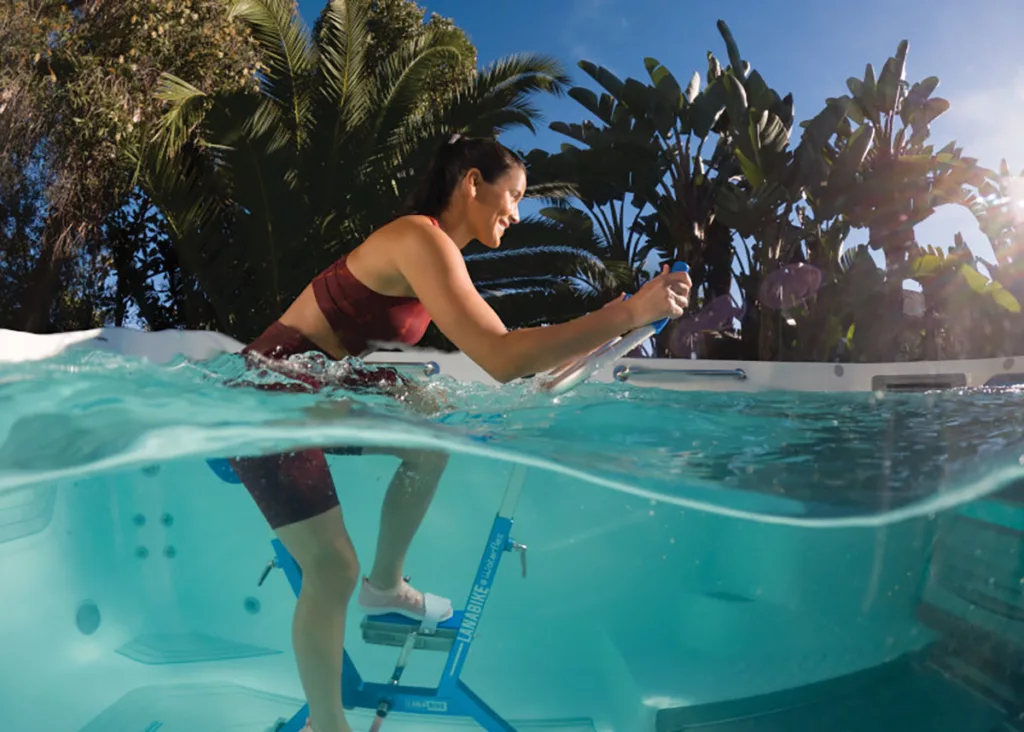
451, 162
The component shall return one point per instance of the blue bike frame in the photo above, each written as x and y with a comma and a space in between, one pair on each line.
451, 697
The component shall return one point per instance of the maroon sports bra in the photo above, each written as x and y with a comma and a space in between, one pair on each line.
359, 315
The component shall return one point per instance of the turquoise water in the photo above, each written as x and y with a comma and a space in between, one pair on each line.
784, 561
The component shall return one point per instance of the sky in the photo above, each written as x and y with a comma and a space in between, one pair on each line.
807, 47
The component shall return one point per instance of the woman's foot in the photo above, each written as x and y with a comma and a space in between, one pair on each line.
309, 727
405, 600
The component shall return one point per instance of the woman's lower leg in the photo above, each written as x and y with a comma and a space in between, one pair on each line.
405, 504
318, 636
330, 572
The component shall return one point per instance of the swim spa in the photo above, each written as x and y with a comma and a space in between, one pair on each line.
651, 601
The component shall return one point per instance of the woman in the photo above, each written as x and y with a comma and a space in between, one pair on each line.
405, 275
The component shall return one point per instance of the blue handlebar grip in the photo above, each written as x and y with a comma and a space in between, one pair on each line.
677, 267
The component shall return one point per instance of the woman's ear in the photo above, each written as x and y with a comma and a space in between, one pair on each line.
474, 179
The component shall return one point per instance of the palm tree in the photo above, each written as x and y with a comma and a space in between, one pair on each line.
266, 189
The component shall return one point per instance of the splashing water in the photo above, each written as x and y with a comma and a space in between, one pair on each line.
809, 459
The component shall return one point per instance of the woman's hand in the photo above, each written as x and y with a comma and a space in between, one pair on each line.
667, 295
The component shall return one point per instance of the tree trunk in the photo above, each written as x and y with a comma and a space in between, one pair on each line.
895, 242
768, 335
35, 316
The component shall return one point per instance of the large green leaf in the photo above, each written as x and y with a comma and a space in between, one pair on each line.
1004, 298
735, 61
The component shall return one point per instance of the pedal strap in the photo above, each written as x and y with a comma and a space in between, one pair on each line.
434, 608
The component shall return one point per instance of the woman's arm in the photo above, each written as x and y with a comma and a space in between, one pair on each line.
436, 271
576, 357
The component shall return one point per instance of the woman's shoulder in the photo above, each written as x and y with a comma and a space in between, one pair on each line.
403, 241
412, 232
412, 221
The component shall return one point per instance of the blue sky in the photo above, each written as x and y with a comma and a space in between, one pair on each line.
807, 47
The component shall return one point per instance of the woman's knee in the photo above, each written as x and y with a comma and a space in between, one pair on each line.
420, 460
332, 565
433, 460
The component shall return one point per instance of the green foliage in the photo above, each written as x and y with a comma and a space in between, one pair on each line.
78, 81
862, 162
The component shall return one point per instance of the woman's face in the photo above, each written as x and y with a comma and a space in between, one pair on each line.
495, 206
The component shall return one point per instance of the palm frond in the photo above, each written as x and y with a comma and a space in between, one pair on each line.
183, 116
501, 96
523, 75
267, 123
583, 272
342, 75
285, 47
534, 261
552, 193
400, 83
541, 231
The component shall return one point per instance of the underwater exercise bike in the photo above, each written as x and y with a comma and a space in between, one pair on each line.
451, 697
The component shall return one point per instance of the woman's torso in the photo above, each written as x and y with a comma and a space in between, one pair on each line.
343, 315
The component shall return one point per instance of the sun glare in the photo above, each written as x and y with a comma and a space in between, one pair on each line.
1015, 190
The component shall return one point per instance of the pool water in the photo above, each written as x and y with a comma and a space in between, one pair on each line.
727, 562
